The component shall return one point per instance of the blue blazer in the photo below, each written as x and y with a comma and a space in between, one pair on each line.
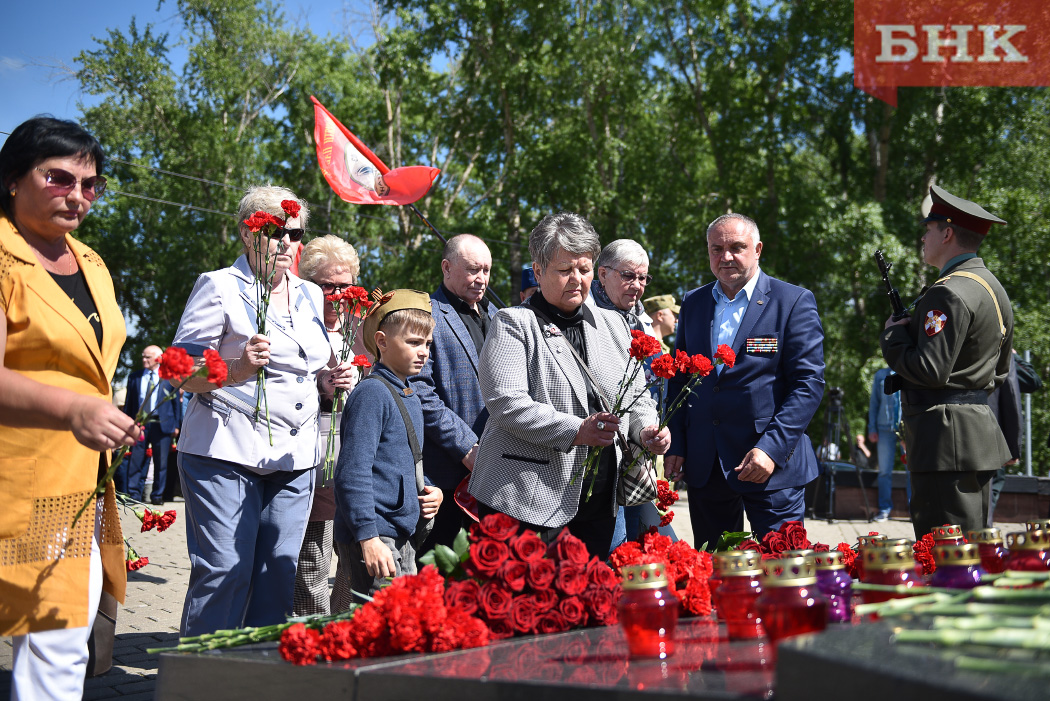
169, 414
454, 412
766, 400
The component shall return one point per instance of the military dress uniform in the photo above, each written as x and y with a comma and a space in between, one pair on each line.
953, 353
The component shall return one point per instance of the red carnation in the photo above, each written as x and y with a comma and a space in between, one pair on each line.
923, 550
361, 361
681, 361
175, 364
217, 370
512, 573
334, 298
643, 346
666, 518
498, 526
571, 579
573, 610
726, 355
300, 645
258, 221
357, 294
568, 547
664, 367
136, 564
291, 208
523, 615
700, 365
527, 546
495, 600
165, 520
541, 573
486, 556
796, 536
629, 553
149, 520
336, 642
849, 559
463, 596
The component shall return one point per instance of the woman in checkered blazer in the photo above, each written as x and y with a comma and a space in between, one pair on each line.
545, 412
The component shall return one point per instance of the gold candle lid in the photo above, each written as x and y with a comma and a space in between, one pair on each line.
896, 541
738, 563
797, 553
1039, 524
1028, 540
794, 571
962, 554
830, 560
865, 540
946, 532
649, 576
985, 535
894, 557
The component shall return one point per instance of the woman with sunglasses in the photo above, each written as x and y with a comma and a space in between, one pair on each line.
60, 342
247, 497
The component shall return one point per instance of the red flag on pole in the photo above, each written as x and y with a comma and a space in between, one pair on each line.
356, 174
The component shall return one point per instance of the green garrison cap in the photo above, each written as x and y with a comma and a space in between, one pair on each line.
387, 304
948, 208
655, 304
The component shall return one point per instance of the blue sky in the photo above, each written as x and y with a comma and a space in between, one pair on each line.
42, 37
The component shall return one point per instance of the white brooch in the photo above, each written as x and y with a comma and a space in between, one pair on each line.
552, 330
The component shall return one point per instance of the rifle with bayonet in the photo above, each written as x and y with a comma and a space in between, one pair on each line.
899, 312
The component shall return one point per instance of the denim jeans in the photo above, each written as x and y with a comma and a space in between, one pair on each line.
887, 450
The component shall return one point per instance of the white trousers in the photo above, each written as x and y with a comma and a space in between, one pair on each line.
52, 664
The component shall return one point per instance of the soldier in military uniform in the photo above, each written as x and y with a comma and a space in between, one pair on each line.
949, 355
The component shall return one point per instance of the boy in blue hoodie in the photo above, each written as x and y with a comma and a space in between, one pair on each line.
379, 502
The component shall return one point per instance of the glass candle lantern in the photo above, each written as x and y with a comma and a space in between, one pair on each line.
740, 587
791, 602
1039, 524
990, 547
1028, 551
648, 611
835, 584
958, 566
863, 543
947, 535
893, 566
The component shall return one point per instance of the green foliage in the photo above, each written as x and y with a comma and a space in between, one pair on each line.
649, 119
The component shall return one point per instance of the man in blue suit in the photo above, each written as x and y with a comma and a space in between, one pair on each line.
740, 442
146, 389
454, 412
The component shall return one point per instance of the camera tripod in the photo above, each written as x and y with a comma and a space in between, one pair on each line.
834, 426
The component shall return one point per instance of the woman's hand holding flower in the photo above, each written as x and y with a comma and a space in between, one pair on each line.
657, 440
597, 430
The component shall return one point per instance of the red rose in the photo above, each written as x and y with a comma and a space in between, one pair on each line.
795, 533
291, 208
774, 542
700, 365
749, 544
523, 615
512, 573
498, 526
664, 367
500, 628
568, 548
527, 546
552, 622
726, 355
545, 600
598, 573
541, 573
175, 364
495, 600
361, 361
601, 605
573, 610
336, 641
571, 579
300, 645
486, 556
820, 547
217, 370
463, 596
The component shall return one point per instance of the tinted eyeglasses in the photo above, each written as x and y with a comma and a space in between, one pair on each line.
293, 234
330, 288
629, 277
61, 183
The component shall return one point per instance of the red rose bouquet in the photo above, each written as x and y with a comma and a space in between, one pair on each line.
266, 226
518, 585
177, 367
688, 569
351, 306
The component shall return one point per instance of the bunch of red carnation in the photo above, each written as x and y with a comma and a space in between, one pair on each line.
643, 345
665, 499
923, 549
519, 585
152, 518
132, 561
177, 366
687, 568
409, 615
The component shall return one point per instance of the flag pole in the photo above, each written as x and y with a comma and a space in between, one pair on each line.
488, 290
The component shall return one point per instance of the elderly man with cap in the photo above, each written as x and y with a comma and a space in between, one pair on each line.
663, 310
949, 355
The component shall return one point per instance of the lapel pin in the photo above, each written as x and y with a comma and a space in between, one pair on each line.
758, 301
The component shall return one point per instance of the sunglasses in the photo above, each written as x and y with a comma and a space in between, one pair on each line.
330, 288
61, 182
293, 234
629, 277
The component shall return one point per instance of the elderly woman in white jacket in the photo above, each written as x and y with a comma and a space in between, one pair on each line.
247, 500
543, 421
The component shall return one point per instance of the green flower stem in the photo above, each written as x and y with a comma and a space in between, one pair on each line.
245, 636
983, 664
998, 638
